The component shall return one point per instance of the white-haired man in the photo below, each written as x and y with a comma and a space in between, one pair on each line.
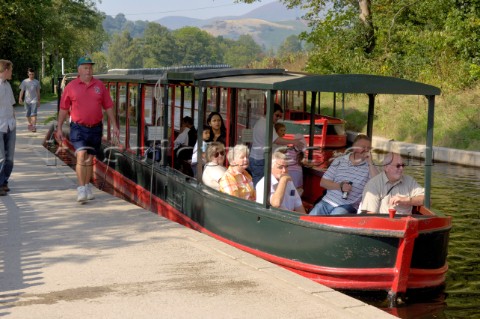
392, 188
283, 193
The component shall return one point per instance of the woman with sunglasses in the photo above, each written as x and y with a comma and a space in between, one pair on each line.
214, 169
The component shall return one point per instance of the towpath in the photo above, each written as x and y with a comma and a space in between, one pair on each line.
111, 259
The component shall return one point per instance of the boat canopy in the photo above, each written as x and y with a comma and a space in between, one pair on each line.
339, 83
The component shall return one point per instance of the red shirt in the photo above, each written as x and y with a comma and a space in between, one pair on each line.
86, 101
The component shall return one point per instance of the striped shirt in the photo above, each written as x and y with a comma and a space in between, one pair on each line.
342, 169
237, 184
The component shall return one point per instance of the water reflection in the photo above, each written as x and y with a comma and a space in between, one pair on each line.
454, 193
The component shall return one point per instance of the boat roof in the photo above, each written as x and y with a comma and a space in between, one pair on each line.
272, 79
152, 75
339, 83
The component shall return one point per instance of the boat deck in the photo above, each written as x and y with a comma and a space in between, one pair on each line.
111, 259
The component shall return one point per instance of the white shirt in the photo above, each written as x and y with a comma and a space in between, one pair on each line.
182, 139
291, 198
30, 87
7, 101
258, 143
212, 174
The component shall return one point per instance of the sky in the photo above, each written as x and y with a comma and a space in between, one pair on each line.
152, 10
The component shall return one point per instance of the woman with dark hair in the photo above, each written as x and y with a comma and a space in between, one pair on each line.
218, 131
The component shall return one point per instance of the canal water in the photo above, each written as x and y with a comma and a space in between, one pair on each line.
455, 192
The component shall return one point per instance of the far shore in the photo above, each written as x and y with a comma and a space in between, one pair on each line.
415, 151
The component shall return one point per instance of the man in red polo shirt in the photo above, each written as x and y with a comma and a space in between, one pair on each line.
85, 98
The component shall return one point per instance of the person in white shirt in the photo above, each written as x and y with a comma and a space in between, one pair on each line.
30, 94
214, 169
7, 125
283, 193
257, 158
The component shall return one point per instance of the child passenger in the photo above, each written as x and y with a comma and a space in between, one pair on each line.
205, 138
294, 159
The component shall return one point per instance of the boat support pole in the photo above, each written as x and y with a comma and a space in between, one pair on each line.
403, 262
429, 150
371, 114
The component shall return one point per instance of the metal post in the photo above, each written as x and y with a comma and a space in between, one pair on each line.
429, 149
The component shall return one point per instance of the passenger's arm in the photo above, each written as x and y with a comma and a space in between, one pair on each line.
407, 200
285, 141
277, 197
343, 186
300, 209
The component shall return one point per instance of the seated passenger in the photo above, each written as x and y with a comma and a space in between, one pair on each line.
237, 181
183, 146
218, 131
294, 158
214, 169
345, 179
283, 193
205, 138
392, 189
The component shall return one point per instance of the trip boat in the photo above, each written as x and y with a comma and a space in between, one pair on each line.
357, 252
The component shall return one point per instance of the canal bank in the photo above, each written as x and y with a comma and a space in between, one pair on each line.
414, 152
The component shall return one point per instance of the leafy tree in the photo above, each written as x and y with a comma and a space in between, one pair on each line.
159, 47
125, 52
433, 40
39, 33
291, 44
242, 52
194, 46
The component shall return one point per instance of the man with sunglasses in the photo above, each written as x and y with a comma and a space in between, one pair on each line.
392, 188
283, 193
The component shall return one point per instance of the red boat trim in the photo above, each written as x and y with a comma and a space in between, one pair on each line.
395, 226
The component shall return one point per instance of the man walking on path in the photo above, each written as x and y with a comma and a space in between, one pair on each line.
85, 98
7, 125
30, 94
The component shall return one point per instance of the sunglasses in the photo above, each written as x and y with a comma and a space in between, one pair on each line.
217, 154
400, 165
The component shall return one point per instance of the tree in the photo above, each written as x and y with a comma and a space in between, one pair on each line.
194, 46
38, 33
125, 52
159, 47
431, 40
291, 45
242, 52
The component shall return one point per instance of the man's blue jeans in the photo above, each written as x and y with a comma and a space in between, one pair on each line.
256, 168
7, 151
324, 208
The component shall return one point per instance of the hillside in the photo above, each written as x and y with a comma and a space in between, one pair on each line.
269, 25
269, 35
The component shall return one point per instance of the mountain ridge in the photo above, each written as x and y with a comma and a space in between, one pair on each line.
269, 25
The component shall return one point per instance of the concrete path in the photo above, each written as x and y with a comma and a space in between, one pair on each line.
111, 259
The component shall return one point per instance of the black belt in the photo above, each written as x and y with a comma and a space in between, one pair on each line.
89, 125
